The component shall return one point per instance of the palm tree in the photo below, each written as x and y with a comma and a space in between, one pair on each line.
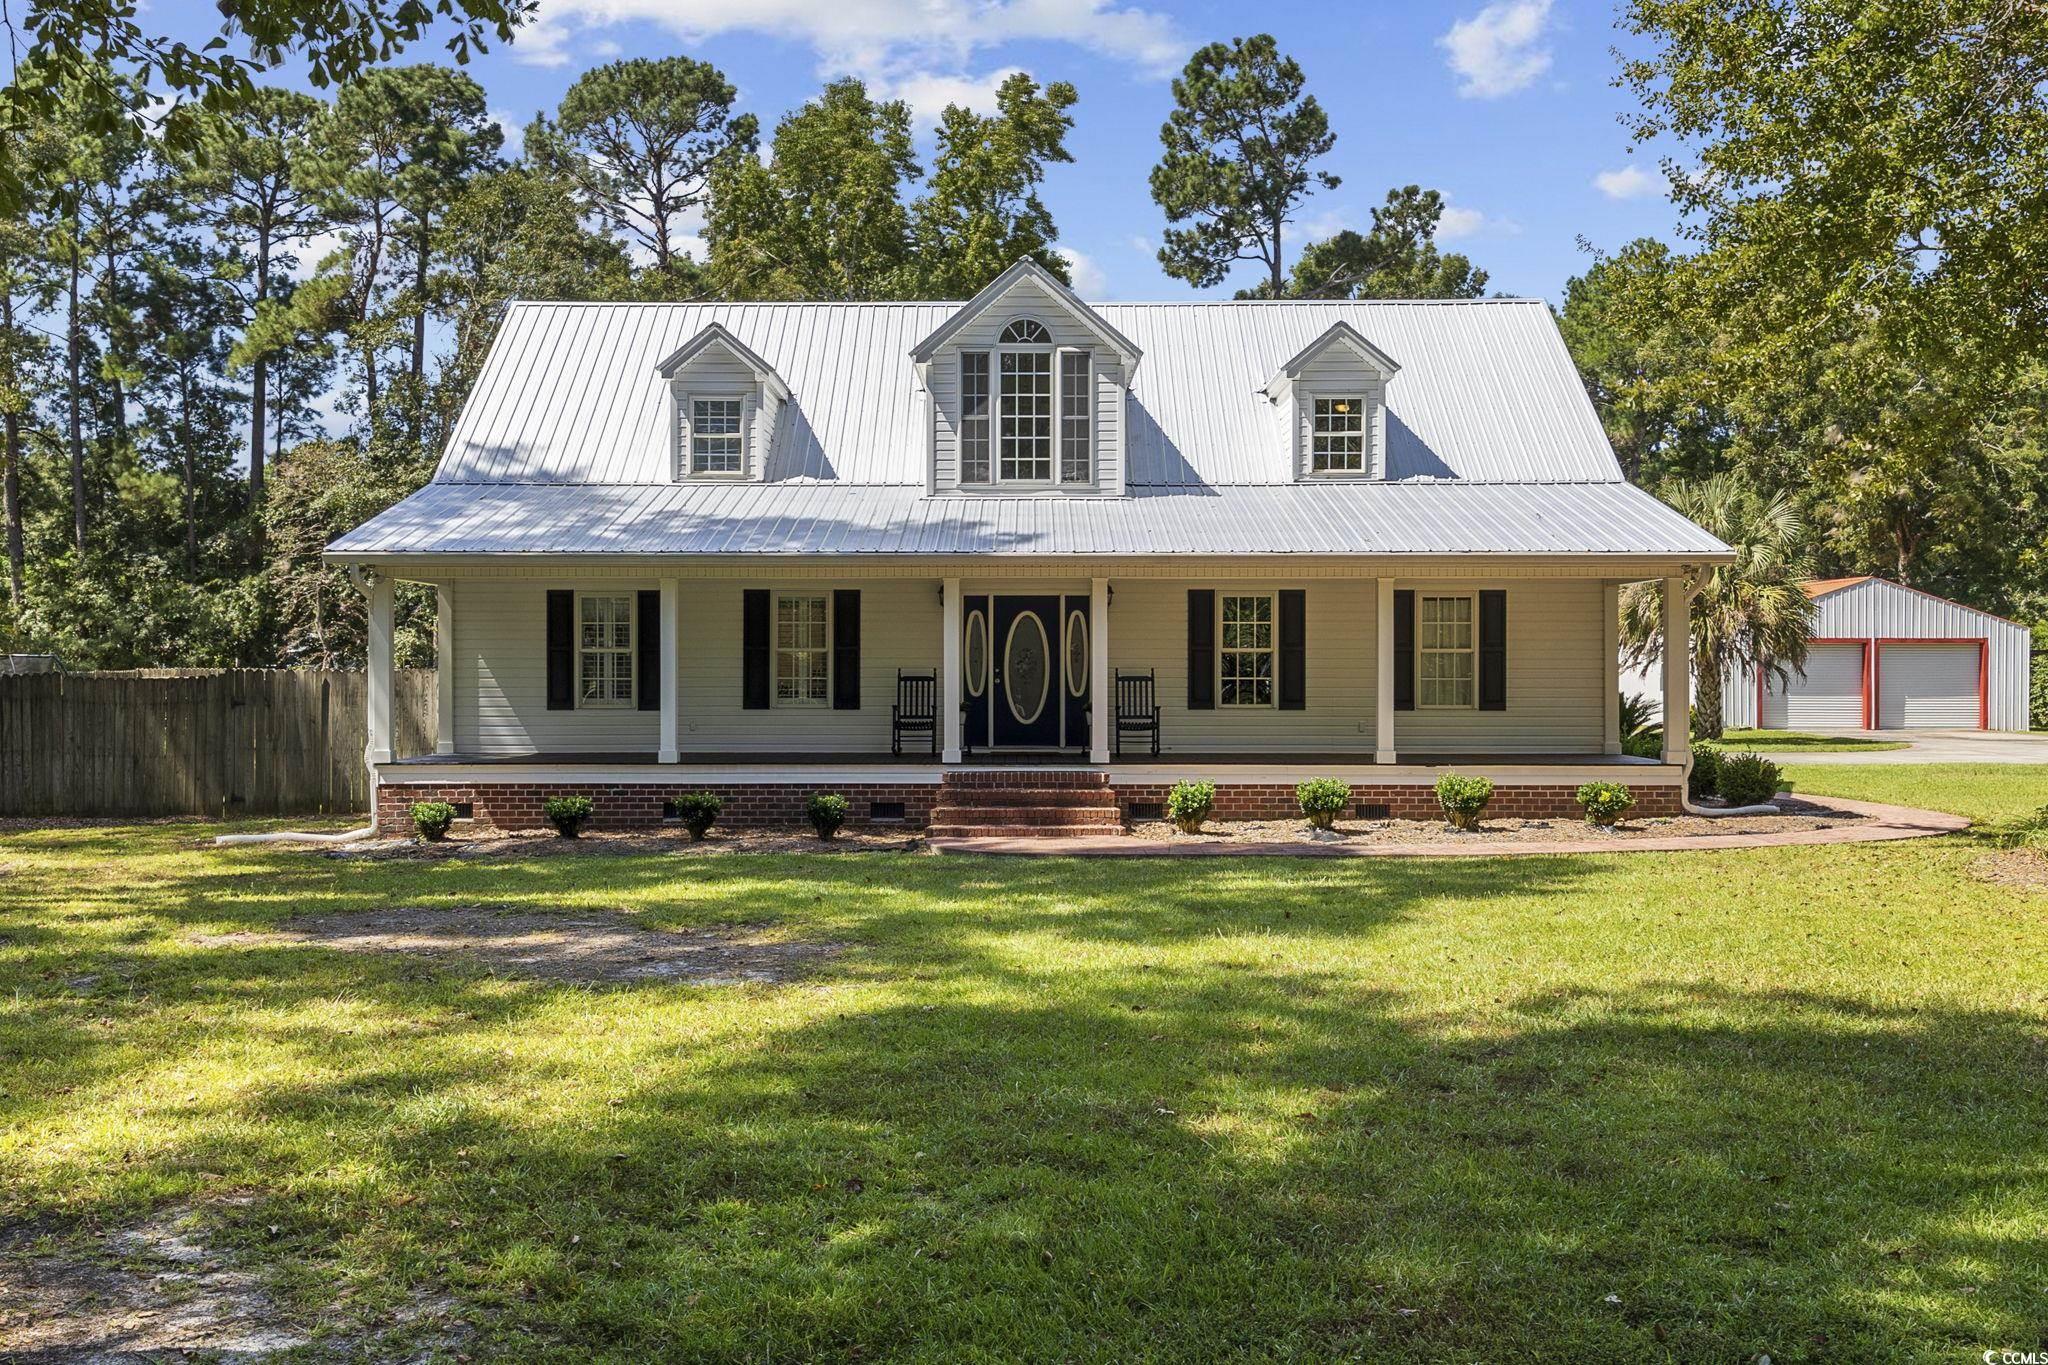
1749, 614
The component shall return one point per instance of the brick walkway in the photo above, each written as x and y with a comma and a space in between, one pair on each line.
1886, 823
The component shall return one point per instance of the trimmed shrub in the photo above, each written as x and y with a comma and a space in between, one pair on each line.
568, 814
827, 812
430, 820
1322, 800
1605, 802
1644, 744
1463, 799
1189, 804
1749, 779
698, 811
1705, 779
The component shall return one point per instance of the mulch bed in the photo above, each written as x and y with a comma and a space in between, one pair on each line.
544, 843
1794, 815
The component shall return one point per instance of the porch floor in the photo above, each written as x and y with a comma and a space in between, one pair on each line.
814, 759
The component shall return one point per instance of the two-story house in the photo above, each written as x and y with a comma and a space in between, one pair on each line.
735, 546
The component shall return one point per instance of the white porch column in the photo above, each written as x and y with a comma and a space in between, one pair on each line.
1383, 677
1677, 670
1610, 645
949, 671
671, 635
380, 597
444, 668
1101, 704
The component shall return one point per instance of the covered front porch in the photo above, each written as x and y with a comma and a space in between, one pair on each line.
777, 677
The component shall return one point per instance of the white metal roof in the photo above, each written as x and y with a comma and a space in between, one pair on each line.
1414, 518
1493, 446
569, 393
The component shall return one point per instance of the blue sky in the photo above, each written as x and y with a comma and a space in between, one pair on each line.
1507, 107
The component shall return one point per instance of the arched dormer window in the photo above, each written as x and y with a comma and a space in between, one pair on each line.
1024, 429
1026, 332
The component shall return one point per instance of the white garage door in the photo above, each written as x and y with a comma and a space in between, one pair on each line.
1829, 697
1927, 687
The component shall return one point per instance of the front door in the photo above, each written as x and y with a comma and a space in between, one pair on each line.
1027, 689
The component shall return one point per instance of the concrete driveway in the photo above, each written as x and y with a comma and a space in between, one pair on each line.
1937, 746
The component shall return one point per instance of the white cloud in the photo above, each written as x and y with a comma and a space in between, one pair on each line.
1458, 221
514, 129
313, 250
1630, 182
862, 36
928, 93
1089, 281
1499, 50
1320, 227
1144, 245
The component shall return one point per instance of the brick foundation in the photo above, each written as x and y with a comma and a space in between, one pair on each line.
627, 806
1406, 801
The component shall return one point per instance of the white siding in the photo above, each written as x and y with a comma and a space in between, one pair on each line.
1339, 373
899, 628
501, 676
1557, 678
1148, 628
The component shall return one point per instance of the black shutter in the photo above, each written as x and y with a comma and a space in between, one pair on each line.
561, 650
1404, 651
754, 649
647, 645
846, 649
1493, 649
1293, 649
1201, 649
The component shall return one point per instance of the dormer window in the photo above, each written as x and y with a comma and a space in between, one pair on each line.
717, 442
1035, 428
1337, 441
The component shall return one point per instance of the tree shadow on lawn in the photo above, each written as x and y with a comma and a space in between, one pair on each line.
951, 1147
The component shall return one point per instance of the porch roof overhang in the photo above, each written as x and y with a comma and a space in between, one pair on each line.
1432, 519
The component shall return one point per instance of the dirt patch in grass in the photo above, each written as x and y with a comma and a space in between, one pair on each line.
159, 1290
585, 948
152, 1287
1793, 816
544, 843
2024, 868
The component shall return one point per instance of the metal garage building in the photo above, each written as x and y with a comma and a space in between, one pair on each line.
1886, 657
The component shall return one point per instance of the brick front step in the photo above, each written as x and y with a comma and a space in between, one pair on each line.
1029, 777
991, 831
1026, 796
1092, 814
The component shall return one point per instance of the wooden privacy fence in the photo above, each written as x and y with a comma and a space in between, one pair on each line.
215, 742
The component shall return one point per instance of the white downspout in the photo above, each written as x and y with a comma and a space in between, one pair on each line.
349, 836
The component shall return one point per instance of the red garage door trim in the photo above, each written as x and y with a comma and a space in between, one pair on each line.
1869, 676
1983, 644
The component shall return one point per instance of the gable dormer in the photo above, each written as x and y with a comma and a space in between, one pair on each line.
723, 404
1334, 394
1027, 386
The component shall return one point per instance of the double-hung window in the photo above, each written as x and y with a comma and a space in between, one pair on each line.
803, 658
1245, 661
974, 420
717, 443
604, 649
1337, 437
1075, 395
1446, 652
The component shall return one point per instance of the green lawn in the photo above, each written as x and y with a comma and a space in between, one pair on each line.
1986, 792
1631, 1107
1797, 741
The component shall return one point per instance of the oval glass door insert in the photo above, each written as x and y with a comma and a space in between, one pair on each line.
1077, 654
1026, 672
977, 653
